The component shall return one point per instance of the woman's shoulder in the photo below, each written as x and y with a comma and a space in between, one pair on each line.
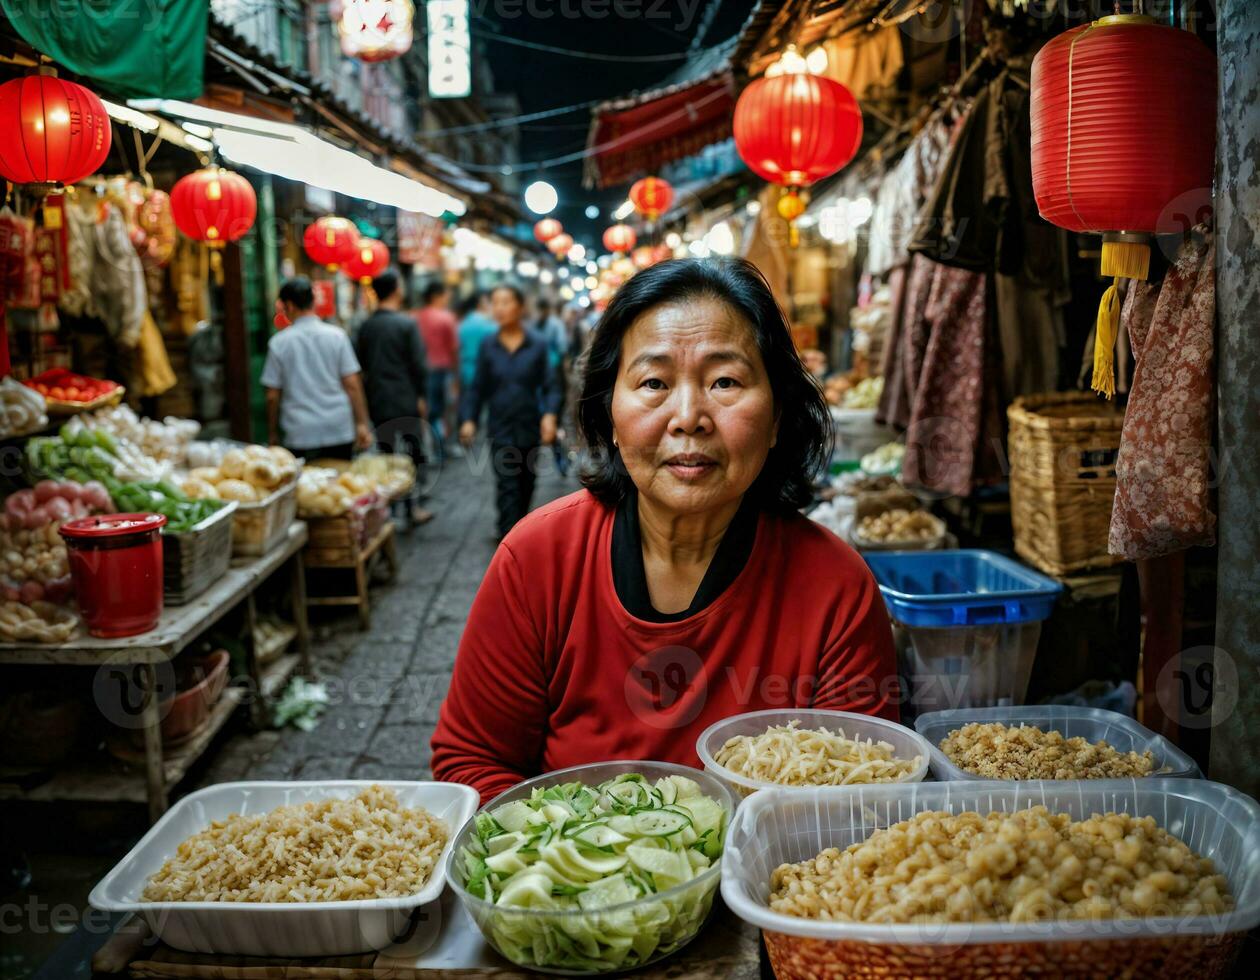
559, 526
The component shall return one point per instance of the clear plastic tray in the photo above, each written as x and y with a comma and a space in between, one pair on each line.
790, 825
1095, 724
275, 928
906, 743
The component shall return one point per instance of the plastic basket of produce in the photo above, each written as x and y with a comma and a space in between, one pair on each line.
810, 747
1006, 752
386, 842
963, 879
194, 559
67, 393
22, 409
259, 527
638, 844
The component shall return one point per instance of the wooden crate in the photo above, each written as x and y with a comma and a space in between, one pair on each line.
1062, 450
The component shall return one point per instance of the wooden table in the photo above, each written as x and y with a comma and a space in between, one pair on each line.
135, 661
360, 560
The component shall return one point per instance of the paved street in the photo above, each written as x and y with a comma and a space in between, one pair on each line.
387, 684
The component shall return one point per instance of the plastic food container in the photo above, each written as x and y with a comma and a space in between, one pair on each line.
275, 928
185, 712
675, 915
1119, 731
967, 622
906, 743
857, 433
789, 825
116, 565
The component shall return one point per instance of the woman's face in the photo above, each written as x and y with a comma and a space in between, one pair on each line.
505, 307
692, 409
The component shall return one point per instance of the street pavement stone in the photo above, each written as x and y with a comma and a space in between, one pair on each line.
386, 684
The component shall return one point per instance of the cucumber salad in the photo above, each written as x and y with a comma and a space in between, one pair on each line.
583, 853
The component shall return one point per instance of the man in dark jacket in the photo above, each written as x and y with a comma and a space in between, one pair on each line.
392, 356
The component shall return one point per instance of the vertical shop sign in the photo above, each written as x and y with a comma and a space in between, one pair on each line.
450, 49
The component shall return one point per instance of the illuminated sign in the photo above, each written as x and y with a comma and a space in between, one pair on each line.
450, 49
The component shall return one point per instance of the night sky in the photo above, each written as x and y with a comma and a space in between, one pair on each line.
544, 80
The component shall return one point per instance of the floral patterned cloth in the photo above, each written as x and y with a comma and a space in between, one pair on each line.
1164, 467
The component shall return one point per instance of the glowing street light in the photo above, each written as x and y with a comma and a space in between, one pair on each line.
541, 197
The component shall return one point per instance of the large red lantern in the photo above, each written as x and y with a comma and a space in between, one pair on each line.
1123, 118
369, 259
651, 197
51, 131
561, 244
214, 206
331, 241
619, 238
547, 229
794, 129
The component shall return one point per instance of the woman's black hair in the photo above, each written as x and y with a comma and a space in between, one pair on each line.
512, 288
803, 447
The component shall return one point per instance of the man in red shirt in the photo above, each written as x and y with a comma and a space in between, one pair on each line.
438, 329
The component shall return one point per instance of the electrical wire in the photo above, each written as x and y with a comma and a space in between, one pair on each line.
510, 120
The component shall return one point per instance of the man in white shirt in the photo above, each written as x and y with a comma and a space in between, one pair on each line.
314, 390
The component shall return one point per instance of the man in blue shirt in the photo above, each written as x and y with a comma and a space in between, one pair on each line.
476, 326
515, 381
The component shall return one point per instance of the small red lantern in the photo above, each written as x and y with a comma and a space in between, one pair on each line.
619, 238
1123, 118
651, 197
644, 256
796, 128
214, 206
331, 241
369, 260
560, 244
51, 131
547, 229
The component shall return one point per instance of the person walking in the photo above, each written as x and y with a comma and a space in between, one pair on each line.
477, 324
437, 328
392, 354
514, 379
315, 402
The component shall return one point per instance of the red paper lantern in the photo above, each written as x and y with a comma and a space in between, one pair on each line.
547, 229
651, 197
331, 241
1123, 116
644, 256
369, 260
214, 206
795, 129
560, 244
374, 30
51, 131
619, 238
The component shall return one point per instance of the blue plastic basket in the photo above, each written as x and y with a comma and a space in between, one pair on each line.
967, 587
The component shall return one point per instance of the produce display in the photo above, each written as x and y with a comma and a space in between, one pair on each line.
595, 857
81, 453
997, 751
390, 473
165, 441
886, 460
835, 388
37, 622
367, 847
61, 385
33, 561
246, 475
21, 409
161, 497
865, 394
855, 483
898, 526
793, 756
325, 492
1027, 866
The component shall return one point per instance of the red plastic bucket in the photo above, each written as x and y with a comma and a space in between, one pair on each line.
116, 565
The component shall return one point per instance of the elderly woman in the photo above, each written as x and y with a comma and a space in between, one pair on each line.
682, 585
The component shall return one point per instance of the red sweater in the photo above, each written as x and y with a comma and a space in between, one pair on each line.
553, 672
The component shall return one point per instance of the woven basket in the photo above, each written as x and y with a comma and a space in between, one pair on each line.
1062, 450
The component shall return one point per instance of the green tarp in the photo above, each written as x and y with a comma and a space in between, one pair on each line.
135, 48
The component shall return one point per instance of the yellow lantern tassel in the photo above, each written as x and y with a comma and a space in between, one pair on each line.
1126, 257
1105, 331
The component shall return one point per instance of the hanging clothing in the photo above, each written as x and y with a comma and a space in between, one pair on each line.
1164, 467
118, 279
862, 60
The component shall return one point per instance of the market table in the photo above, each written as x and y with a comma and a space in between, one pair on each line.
726, 949
136, 660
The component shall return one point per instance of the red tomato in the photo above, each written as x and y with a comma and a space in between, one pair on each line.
58, 392
73, 394
42, 388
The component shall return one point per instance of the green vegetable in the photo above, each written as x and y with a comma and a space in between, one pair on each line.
593, 855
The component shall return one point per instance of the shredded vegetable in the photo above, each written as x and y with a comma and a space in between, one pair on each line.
571, 872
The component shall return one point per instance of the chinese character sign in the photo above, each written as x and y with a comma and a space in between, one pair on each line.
450, 49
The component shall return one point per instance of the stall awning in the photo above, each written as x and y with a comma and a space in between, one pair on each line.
639, 134
295, 153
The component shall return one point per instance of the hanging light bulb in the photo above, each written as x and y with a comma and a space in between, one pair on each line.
816, 60
789, 63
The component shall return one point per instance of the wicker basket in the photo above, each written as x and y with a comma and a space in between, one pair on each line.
195, 559
1062, 450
